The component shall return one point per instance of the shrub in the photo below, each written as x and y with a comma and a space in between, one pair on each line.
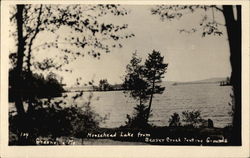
192, 118
53, 120
174, 121
139, 118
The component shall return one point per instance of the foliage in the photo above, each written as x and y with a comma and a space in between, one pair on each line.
174, 121
192, 118
208, 24
56, 119
85, 30
35, 85
104, 85
134, 83
154, 70
139, 118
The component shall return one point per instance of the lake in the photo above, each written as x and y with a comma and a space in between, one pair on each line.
211, 99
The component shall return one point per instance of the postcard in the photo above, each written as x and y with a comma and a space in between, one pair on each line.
125, 78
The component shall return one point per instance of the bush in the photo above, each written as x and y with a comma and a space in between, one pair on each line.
139, 118
192, 118
174, 121
50, 119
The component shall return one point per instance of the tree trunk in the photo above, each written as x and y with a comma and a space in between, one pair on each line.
19, 66
18, 74
151, 99
234, 38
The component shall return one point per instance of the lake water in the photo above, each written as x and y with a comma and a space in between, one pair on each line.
211, 99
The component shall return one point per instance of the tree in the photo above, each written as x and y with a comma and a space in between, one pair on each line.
134, 80
85, 30
35, 85
136, 86
232, 16
104, 85
142, 81
154, 70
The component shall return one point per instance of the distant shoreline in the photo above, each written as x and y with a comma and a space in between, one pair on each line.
188, 83
172, 83
71, 91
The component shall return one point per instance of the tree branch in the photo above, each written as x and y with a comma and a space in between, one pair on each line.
34, 36
40, 45
219, 9
13, 17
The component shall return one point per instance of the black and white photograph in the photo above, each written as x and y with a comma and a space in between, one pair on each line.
124, 74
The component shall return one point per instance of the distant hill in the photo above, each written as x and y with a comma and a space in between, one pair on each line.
205, 81
212, 80
165, 83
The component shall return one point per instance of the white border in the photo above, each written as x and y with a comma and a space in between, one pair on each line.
125, 151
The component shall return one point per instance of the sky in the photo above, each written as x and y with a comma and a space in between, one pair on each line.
190, 56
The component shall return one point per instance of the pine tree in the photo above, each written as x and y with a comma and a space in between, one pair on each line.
134, 80
153, 72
